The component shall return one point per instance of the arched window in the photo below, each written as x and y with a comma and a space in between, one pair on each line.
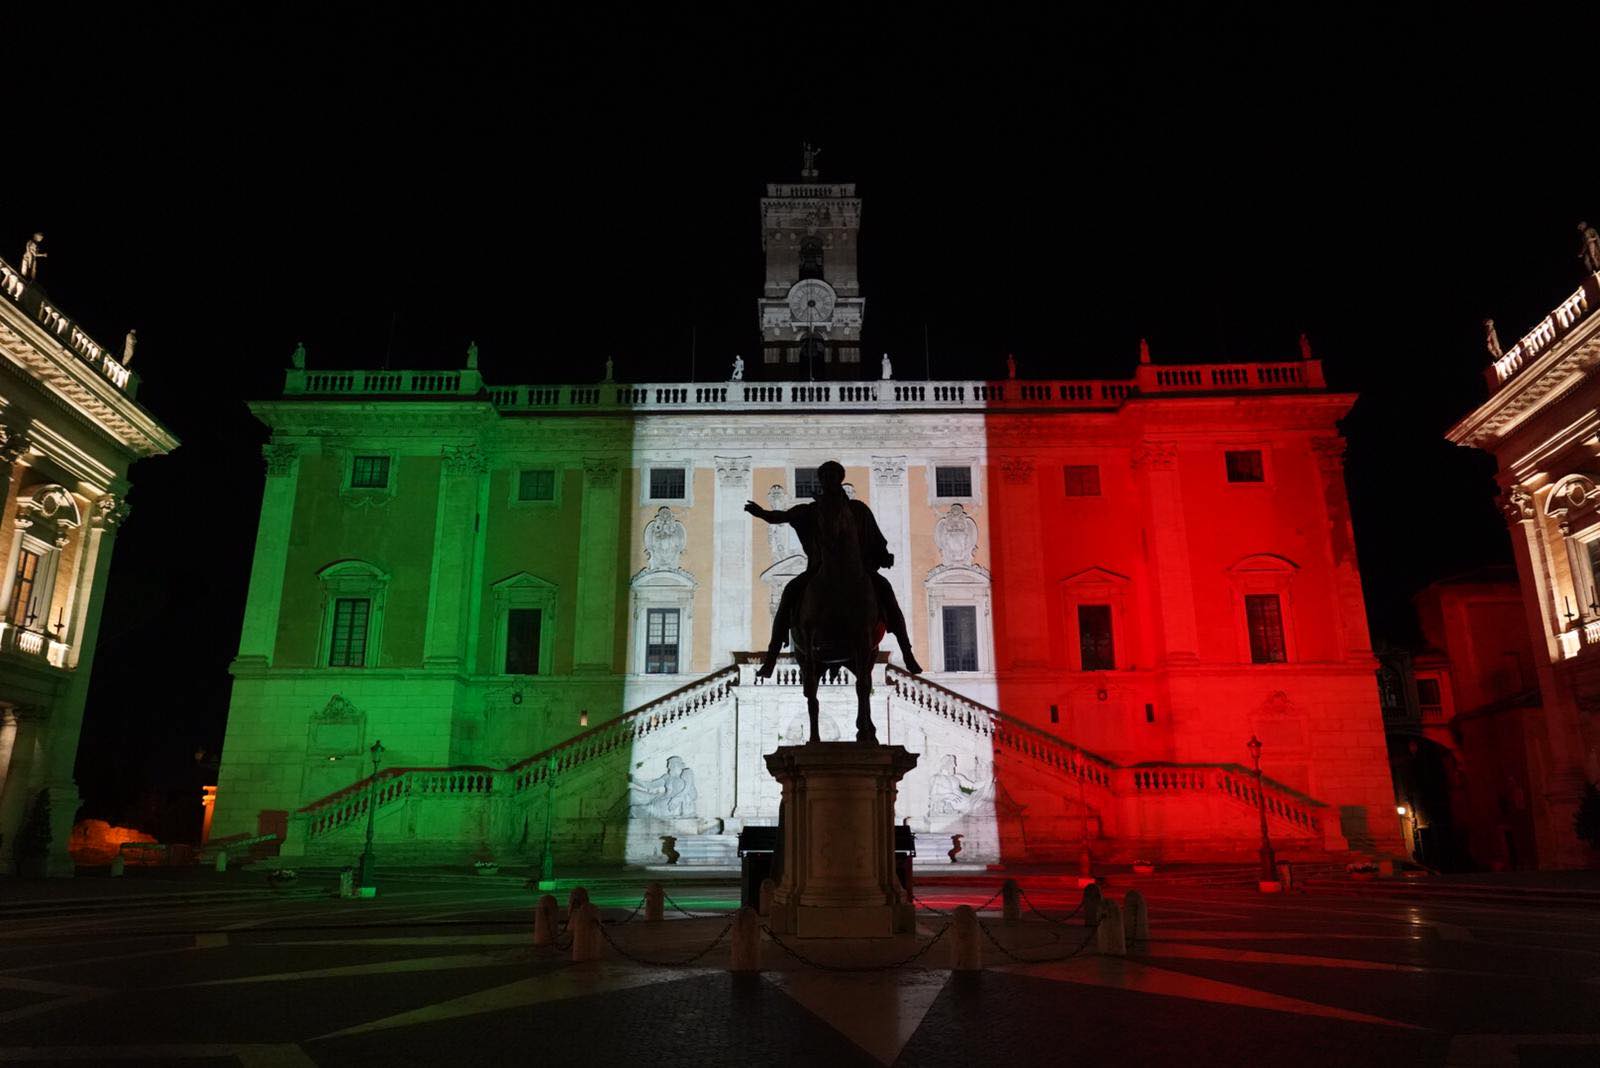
811, 258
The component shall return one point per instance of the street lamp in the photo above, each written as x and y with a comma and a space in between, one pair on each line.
1269, 867
547, 863
364, 868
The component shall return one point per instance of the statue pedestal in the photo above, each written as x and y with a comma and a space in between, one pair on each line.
838, 876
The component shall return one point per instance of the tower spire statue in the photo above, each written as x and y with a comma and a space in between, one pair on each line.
811, 154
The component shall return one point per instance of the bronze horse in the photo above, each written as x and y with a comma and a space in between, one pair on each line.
838, 619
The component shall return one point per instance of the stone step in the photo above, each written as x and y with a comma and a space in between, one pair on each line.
719, 849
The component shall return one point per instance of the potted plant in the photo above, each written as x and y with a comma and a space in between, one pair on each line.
33, 839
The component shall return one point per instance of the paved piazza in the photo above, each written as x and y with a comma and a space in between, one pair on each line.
215, 969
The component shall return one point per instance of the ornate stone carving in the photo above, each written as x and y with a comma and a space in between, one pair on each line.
14, 444
464, 459
733, 471
951, 793
1518, 505
889, 470
1156, 455
279, 459
664, 541
956, 535
1329, 453
49, 512
600, 471
669, 796
1016, 470
109, 511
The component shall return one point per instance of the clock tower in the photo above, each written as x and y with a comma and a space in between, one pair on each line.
811, 306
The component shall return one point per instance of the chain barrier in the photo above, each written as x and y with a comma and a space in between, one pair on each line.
941, 912
1036, 960
627, 918
808, 962
1062, 922
686, 912
666, 963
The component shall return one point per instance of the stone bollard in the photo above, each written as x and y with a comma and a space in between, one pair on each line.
1135, 919
1011, 901
544, 921
578, 898
966, 955
1091, 905
585, 928
655, 900
746, 956
222, 860
1108, 935
764, 897
118, 865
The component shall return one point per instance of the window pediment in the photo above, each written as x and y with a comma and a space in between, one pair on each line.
1573, 494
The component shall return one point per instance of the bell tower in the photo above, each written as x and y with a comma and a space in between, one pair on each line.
811, 306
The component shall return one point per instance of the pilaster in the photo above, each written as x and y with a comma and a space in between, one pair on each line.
1356, 640
259, 634
891, 505
595, 642
1018, 568
454, 556
1169, 549
730, 560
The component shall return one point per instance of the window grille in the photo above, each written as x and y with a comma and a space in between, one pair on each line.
1082, 480
522, 641
952, 481
536, 484
806, 483
349, 645
961, 637
1244, 465
1094, 638
661, 642
1265, 617
370, 472
667, 483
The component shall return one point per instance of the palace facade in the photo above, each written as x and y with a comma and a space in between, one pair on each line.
1541, 423
542, 601
69, 429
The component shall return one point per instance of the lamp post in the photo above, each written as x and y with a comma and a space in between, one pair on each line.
364, 867
547, 863
1269, 867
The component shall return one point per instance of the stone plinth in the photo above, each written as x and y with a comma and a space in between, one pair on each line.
838, 876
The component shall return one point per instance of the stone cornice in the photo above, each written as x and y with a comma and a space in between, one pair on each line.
1566, 365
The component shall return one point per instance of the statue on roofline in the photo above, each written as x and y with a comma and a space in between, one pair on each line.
31, 256
127, 347
1491, 339
1591, 248
297, 358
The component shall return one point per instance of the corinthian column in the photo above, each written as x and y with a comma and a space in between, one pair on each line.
892, 507
730, 560
595, 643
454, 541
14, 445
259, 634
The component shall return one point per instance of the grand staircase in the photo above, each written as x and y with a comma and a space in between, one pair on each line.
1051, 795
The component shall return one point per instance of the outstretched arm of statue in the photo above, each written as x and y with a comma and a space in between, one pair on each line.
765, 513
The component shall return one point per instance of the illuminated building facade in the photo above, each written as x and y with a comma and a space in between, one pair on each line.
540, 600
69, 429
1541, 422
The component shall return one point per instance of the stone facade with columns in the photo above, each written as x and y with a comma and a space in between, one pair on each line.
69, 430
1541, 422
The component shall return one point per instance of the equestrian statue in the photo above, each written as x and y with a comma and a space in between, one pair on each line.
839, 609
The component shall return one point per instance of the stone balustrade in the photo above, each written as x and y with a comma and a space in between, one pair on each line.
32, 643
882, 395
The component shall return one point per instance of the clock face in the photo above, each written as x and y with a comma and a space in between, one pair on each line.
811, 301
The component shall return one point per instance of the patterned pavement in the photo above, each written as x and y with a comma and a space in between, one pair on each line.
442, 971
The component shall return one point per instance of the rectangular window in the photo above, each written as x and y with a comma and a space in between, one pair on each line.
952, 481
961, 638
1094, 638
349, 645
661, 642
1149, 713
22, 587
1055, 714
1244, 465
1428, 693
1083, 480
536, 484
667, 483
805, 483
370, 472
522, 641
1265, 619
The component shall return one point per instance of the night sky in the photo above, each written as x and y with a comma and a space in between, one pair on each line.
387, 190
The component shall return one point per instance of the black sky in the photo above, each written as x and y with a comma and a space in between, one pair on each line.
561, 188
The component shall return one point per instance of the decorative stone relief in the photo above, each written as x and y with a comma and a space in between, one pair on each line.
14, 444
279, 459
951, 793
781, 538
1156, 455
1518, 505
1329, 453
664, 541
464, 459
49, 513
600, 471
108, 511
889, 470
956, 535
666, 797
732, 471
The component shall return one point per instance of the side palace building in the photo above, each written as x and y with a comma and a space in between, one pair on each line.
543, 600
